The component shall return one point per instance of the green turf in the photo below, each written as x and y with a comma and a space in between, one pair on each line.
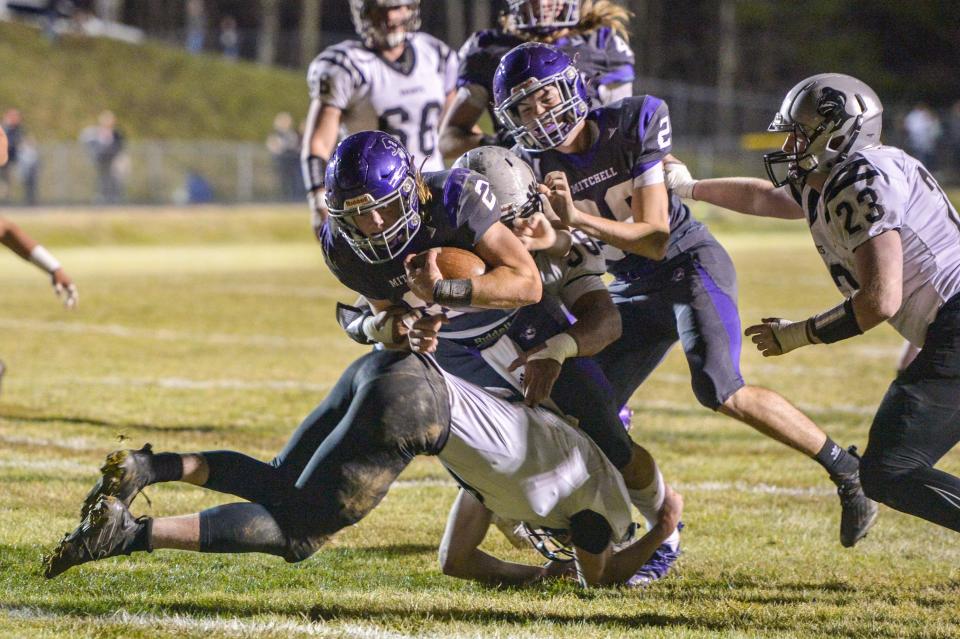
215, 329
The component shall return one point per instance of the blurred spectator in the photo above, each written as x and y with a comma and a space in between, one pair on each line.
13, 128
923, 131
28, 169
195, 189
284, 146
105, 143
229, 37
196, 26
107, 10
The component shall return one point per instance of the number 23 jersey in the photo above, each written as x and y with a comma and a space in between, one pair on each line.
877, 190
403, 98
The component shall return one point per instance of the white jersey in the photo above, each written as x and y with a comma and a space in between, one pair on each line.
579, 272
527, 464
404, 99
877, 190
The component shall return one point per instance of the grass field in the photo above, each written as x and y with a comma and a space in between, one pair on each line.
214, 329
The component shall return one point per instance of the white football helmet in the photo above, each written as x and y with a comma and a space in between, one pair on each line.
831, 115
373, 30
511, 180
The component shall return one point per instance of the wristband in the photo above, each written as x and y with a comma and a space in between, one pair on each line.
558, 348
792, 335
42, 258
383, 334
453, 293
351, 319
313, 168
836, 324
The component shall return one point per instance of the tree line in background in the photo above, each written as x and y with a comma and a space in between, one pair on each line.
906, 50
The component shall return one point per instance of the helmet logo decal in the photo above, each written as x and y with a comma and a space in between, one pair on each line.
392, 146
360, 200
832, 105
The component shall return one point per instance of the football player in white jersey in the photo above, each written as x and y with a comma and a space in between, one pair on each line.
890, 239
387, 408
394, 78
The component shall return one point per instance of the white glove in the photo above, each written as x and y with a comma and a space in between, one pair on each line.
679, 179
777, 336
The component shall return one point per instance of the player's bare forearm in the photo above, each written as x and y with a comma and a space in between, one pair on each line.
750, 196
479, 566
15, 239
879, 263
640, 238
507, 287
598, 323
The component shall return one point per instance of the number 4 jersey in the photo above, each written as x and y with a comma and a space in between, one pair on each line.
877, 190
402, 98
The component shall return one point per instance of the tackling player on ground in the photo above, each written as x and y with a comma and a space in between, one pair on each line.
387, 407
593, 33
890, 239
603, 173
395, 79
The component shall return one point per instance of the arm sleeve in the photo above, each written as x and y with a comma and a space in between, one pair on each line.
862, 202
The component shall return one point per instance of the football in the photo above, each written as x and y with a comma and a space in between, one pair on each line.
458, 264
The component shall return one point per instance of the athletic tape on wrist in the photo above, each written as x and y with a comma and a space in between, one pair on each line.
314, 169
558, 348
839, 323
42, 258
453, 293
792, 335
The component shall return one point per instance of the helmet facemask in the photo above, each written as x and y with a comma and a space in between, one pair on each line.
550, 129
554, 545
390, 243
370, 21
512, 211
542, 16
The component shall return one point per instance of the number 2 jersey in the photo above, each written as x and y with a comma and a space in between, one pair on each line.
880, 189
631, 138
461, 208
403, 98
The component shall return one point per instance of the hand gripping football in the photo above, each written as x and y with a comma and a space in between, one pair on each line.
458, 264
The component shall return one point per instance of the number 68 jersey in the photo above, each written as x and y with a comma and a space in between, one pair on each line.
880, 189
403, 98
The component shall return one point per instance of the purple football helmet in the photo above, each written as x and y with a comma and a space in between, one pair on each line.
542, 16
527, 69
371, 170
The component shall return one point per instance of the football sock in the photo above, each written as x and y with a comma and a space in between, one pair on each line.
649, 501
141, 541
835, 459
166, 467
235, 528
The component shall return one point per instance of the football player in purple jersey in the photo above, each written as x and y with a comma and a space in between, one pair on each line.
602, 170
592, 32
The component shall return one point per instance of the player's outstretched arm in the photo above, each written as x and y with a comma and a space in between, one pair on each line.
26, 247
751, 196
458, 130
460, 554
319, 139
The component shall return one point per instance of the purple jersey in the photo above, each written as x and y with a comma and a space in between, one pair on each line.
603, 57
460, 210
632, 137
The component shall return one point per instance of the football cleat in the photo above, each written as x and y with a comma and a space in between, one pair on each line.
109, 530
659, 564
859, 512
123, 475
